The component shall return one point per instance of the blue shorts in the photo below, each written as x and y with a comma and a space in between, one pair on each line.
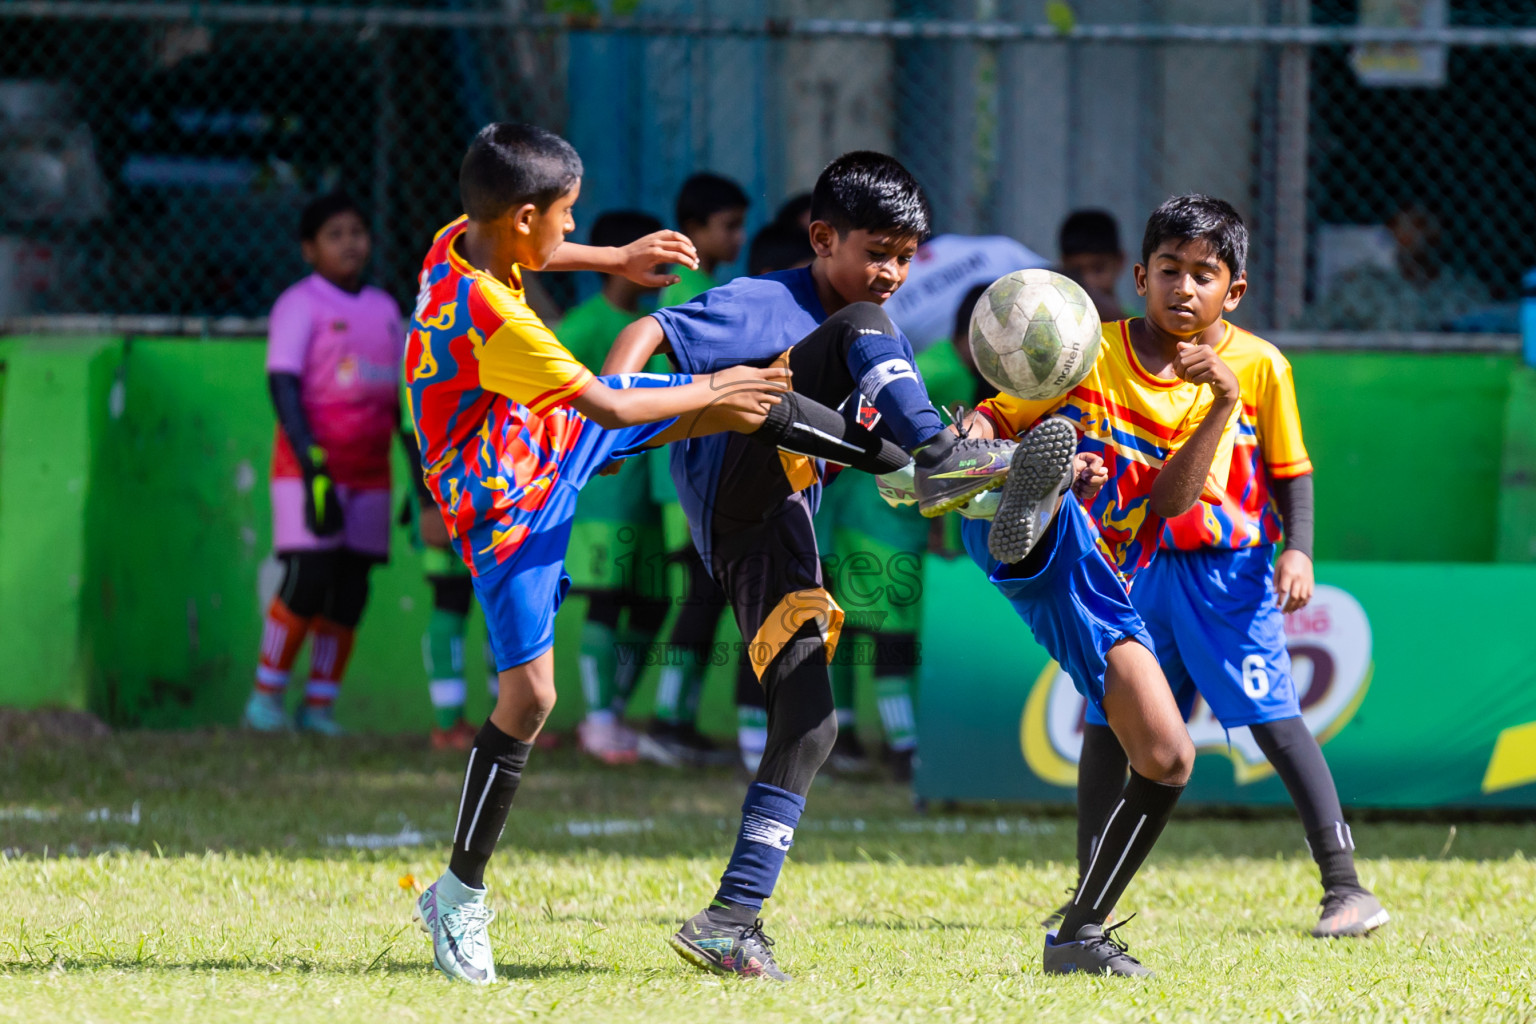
521, 595
1075, 605
1213, 617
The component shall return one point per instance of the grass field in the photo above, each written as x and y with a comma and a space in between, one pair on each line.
214, 877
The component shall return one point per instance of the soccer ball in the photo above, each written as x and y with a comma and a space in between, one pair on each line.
1035, 334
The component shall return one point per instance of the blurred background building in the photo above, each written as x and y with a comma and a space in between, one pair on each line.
153, 155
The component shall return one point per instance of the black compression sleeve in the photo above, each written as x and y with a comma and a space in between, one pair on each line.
1294, 496
287, 399
806, 427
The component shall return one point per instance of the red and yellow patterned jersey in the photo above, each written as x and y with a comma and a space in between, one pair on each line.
489, 387
1268, 447
1135, 421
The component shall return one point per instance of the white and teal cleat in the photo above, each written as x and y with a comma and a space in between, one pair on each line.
456, 918
264, 713
319, 720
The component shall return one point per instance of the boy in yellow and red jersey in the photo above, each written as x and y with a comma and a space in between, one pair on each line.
1214, 601
1153, 428
510, 425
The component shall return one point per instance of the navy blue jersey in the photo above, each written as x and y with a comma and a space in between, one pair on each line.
751, 320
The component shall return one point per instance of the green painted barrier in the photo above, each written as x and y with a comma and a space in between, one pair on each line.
135, 532
1407, 452
1418, 679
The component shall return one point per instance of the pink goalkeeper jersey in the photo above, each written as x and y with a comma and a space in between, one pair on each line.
346, 351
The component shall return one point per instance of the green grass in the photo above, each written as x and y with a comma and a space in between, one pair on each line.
229, 898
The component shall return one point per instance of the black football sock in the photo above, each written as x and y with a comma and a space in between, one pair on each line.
1130, 832
1298, 760
932, 451
496, 763
1100, 781
800, 425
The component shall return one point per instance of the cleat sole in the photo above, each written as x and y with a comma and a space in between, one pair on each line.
1041, 464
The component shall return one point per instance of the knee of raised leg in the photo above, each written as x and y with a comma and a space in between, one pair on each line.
867, 316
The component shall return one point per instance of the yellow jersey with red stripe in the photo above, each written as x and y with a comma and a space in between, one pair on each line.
1136, 421
1268, 447
489, 388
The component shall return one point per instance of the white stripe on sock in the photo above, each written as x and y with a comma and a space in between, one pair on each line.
271, 678
480, 805
464, 792
1098, 848
446, 693
669, 687
1350, 835
323, 689
1123, 854
591, 686
1338, 831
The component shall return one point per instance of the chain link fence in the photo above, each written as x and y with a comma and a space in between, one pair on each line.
154, 156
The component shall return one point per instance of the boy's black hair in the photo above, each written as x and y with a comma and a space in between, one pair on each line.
509, 164
1199, 218
792, 209
870, 191
323, 208
704, 195
620, 227
1090, 231
779, 247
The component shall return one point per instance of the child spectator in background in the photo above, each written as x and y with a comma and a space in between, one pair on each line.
1091, 256
779, 246
333, 365
712, 212
616, 552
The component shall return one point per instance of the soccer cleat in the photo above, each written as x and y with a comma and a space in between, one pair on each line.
972, 466
898, 488
459, 736
738, 949
456, 918
1041, 473
264, 713
848, 755
1349, 913
319, 720
1094, 951
609, 740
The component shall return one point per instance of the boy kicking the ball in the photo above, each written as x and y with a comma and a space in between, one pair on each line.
510, 426
1153, 425
750, 508
1214, 601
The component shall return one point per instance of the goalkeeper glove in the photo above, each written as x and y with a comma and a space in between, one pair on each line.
322, 509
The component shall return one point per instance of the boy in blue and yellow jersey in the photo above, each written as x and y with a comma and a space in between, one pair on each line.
1214, 601
750, 511
510, 425
1153, 426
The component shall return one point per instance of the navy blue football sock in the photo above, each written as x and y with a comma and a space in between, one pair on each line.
883, 367
768, 819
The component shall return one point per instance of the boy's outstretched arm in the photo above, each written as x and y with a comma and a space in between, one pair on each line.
635, 345
738, 397
640, 260
1183, 476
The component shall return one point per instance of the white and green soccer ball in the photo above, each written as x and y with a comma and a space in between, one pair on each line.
1035, 334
